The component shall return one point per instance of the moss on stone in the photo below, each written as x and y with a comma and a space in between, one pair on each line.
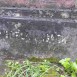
51, 59
34, 59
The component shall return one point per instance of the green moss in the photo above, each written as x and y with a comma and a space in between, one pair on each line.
34, 59
51, 59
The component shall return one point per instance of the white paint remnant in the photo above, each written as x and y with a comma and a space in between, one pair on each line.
17, 25
52, 37
65, 15
22, 38
6, 31
64, 40
16, 35
6, 37
43, 40
47, 40
58, 35
0, 32
35, 40
17, 15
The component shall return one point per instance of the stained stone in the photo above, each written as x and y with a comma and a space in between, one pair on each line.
40, 41
40, 32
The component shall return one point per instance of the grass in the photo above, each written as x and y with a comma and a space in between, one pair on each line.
39, 69
31, 69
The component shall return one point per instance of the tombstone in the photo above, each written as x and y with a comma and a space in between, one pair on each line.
32, 30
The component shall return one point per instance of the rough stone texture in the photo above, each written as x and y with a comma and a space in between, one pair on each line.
32, 32
40, 33
39, 39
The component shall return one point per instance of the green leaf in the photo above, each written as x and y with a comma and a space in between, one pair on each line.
62, 76
73, 74
66, 63
74, 66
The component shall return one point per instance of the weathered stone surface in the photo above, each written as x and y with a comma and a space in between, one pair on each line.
38, 32
34, 32
39, 39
